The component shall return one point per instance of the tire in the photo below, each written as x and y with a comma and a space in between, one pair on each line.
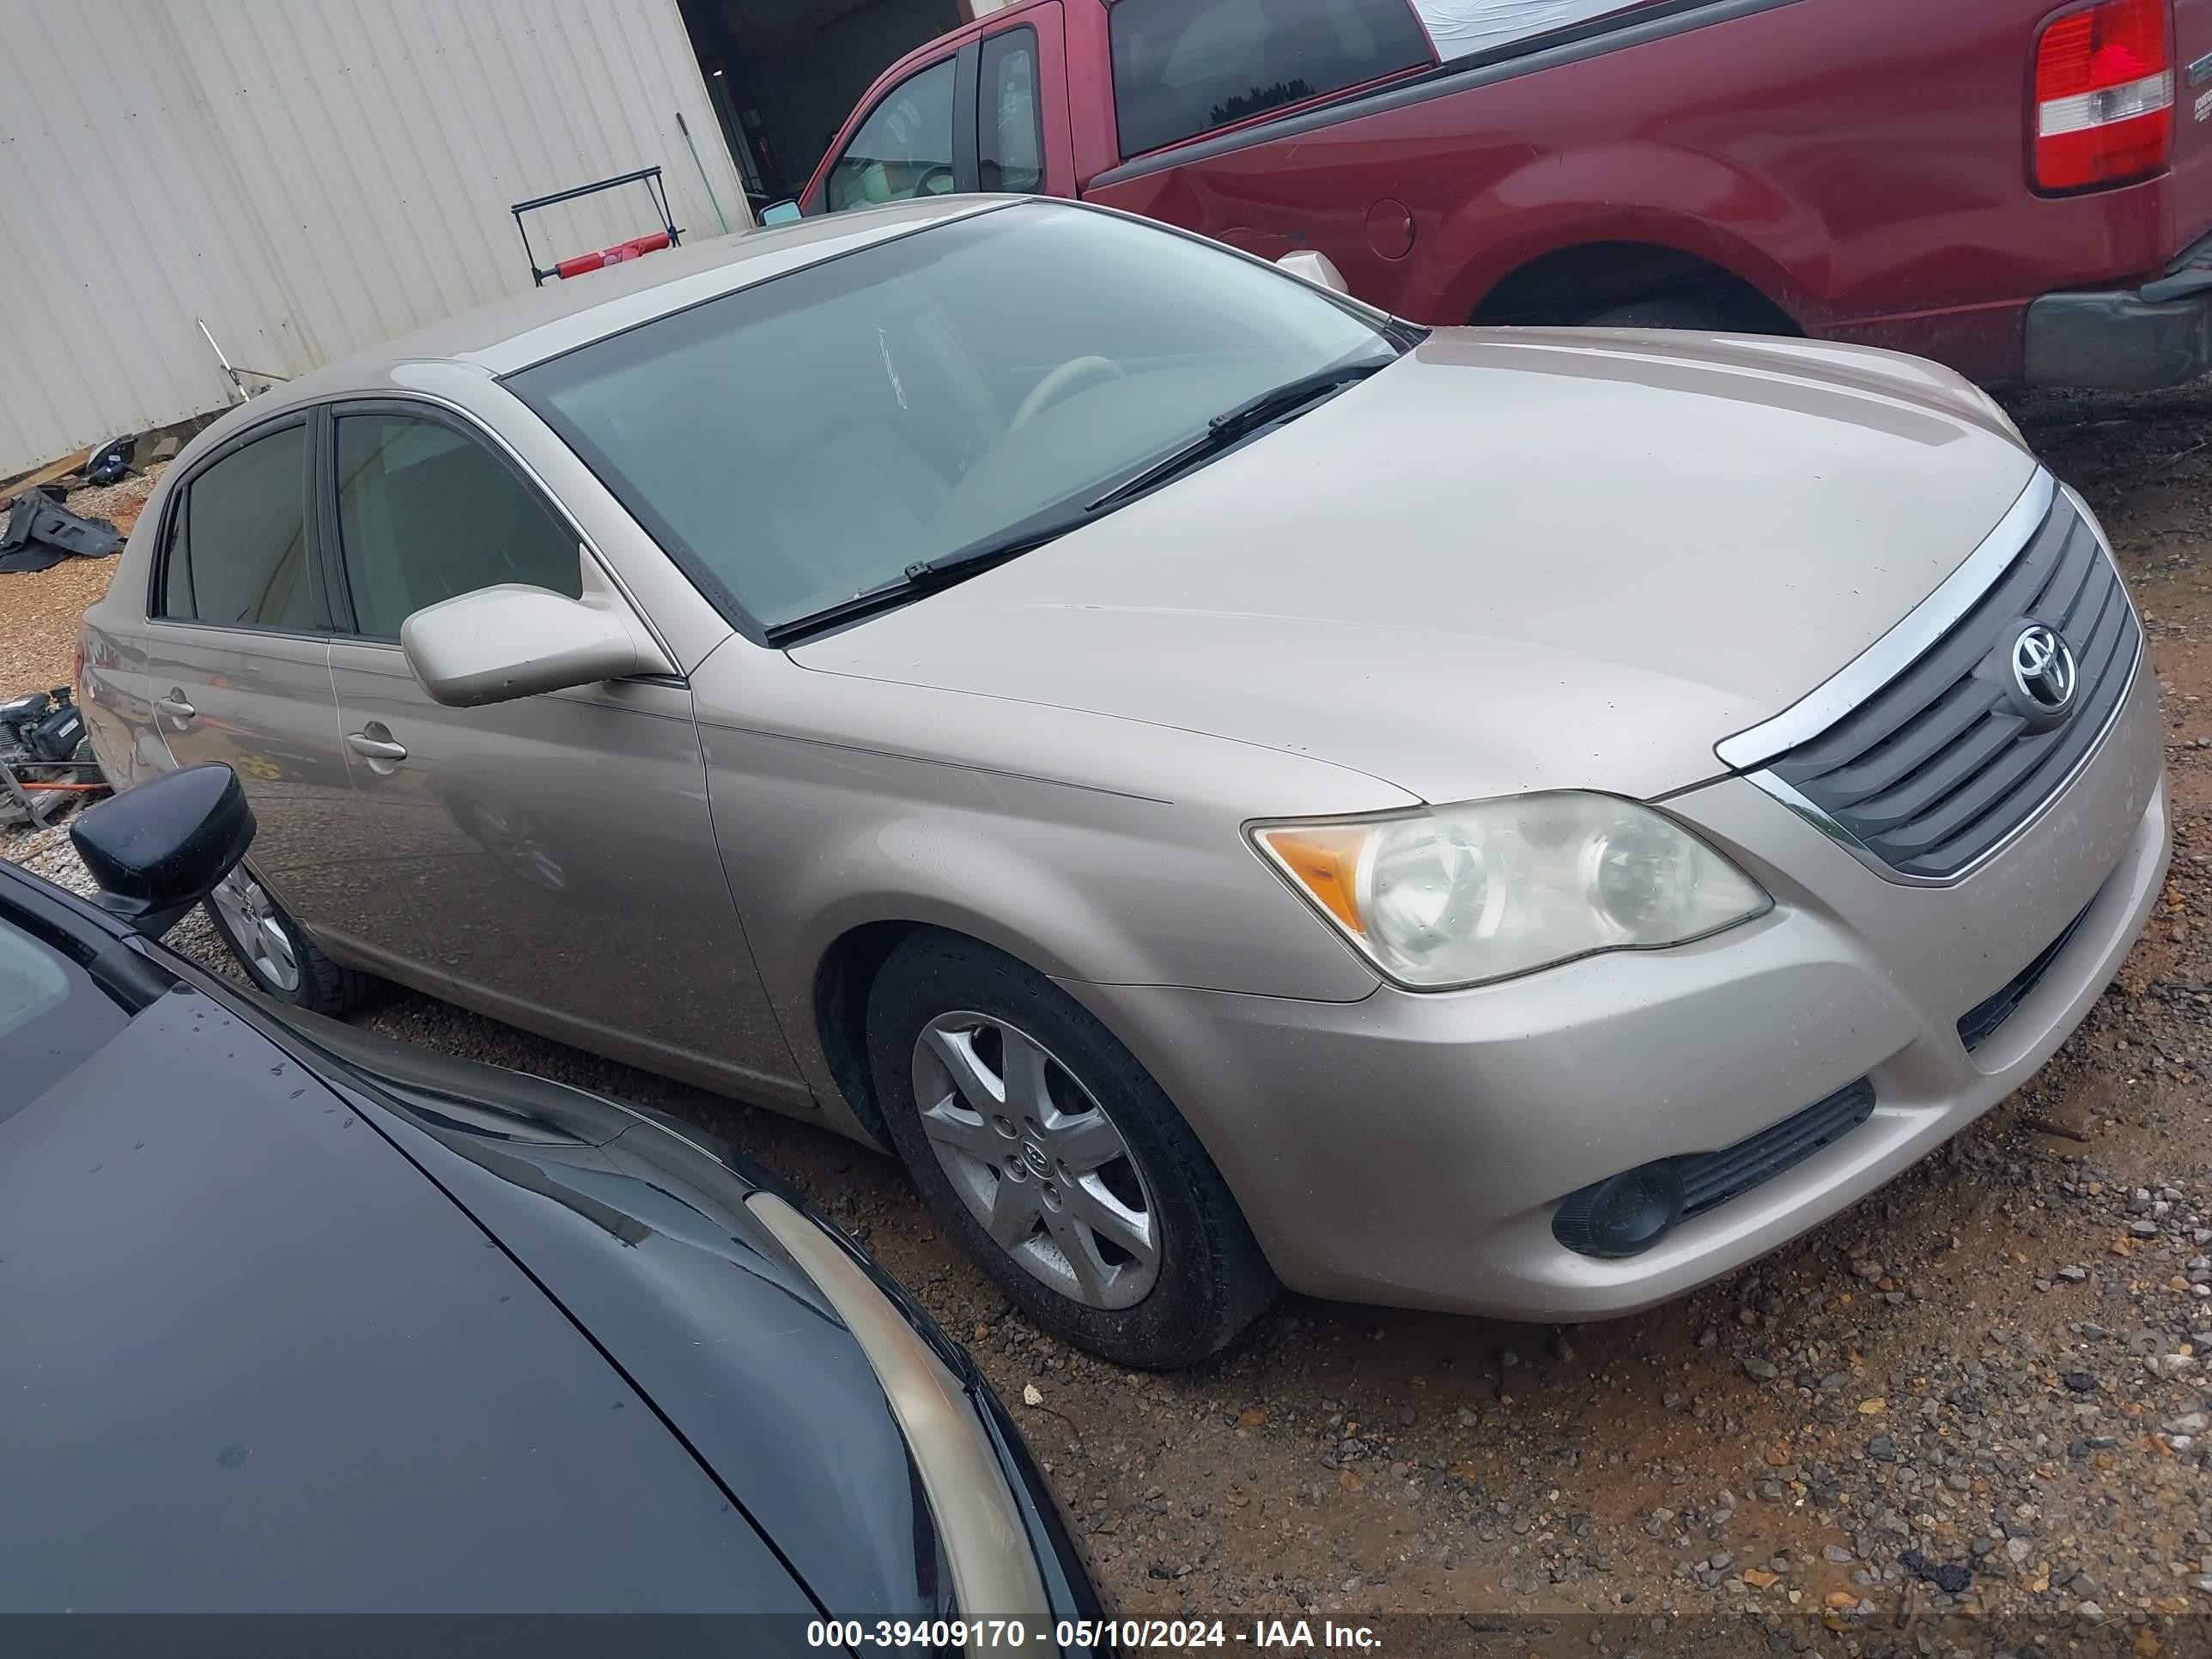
1086, 1175
276, 952
1700, 315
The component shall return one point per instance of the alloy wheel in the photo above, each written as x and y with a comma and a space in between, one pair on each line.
260, 931
1037, 1159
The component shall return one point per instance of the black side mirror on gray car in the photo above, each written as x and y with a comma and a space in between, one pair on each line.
159, 849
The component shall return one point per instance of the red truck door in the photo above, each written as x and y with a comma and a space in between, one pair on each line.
917, 139
1021, 136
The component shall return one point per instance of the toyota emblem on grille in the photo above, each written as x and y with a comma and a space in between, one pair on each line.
2044, 673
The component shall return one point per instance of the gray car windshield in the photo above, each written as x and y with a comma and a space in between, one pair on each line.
811, 439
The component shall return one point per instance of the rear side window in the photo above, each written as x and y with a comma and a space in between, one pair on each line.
1011, 135
237, 547
1180, 68
426, 513
904, 150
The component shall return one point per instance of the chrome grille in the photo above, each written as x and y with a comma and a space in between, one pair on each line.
1939, 766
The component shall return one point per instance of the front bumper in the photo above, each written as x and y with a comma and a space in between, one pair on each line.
2123, 340
1411, 1149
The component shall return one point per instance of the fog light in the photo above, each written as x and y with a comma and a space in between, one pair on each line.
1623, 1214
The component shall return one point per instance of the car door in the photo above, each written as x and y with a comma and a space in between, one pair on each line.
237, 657
918, 140
555, 851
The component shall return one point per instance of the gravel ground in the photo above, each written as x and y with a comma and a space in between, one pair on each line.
38, 612
1973, 1410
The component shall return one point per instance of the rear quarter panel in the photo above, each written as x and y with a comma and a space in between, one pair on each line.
2192, 118
113, 688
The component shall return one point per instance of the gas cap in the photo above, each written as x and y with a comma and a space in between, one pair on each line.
1390, 229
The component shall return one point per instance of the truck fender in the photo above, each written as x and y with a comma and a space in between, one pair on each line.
1706, 206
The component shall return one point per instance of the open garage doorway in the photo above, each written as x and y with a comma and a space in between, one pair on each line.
784, 74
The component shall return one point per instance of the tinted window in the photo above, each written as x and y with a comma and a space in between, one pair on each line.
426, 513
806, 438
1182, 68
904, 148
52, 1019
238, 542
1010, 134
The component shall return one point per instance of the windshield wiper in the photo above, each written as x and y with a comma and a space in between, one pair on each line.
1231, 425
933, 575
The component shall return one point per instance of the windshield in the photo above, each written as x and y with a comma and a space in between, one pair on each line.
811, 439
52, 1017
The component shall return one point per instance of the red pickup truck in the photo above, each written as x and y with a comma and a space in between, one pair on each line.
2020, 190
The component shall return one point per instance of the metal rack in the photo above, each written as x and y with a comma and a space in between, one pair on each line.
656, 192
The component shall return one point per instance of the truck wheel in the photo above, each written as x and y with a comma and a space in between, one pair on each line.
1701, 314
1055, 1161
275, 951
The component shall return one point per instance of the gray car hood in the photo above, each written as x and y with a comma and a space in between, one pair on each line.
1514, 560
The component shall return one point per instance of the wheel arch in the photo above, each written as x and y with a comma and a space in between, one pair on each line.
1573, 285
1686, 204
856, 946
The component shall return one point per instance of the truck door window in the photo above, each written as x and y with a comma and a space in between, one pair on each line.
1010, 133
904, 150
1181, 69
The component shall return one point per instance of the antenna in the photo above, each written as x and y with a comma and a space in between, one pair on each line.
237, 385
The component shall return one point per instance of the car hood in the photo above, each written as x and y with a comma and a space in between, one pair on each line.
255, 1362
1514, 560
638, 1227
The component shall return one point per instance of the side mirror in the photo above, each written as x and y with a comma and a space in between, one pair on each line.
159, 849
500, 643
1316, 268
785, 212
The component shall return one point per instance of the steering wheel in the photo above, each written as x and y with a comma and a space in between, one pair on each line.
937, 181
1064, 383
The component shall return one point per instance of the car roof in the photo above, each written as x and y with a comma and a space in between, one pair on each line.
529, 328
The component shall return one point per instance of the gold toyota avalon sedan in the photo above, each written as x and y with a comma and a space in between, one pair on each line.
1234, 789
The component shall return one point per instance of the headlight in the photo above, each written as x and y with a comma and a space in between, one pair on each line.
1458, 895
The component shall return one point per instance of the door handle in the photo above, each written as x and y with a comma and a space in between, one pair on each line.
375, 748
175, 707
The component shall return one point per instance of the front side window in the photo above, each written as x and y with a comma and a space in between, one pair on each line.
1180, 68
426, 513
236, 552
1011, 134
904, 150
797, 442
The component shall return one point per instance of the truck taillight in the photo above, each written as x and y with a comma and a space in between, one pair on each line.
2104, 95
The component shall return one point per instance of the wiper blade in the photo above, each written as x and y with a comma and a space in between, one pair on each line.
1241, 421
932, 575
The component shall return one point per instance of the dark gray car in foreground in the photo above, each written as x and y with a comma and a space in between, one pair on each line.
299, 1320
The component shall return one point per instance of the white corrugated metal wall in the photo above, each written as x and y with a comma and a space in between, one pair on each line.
310, 176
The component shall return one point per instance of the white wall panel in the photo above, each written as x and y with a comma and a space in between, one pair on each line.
311, 176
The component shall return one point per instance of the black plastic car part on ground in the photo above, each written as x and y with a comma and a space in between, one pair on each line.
302, 1321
